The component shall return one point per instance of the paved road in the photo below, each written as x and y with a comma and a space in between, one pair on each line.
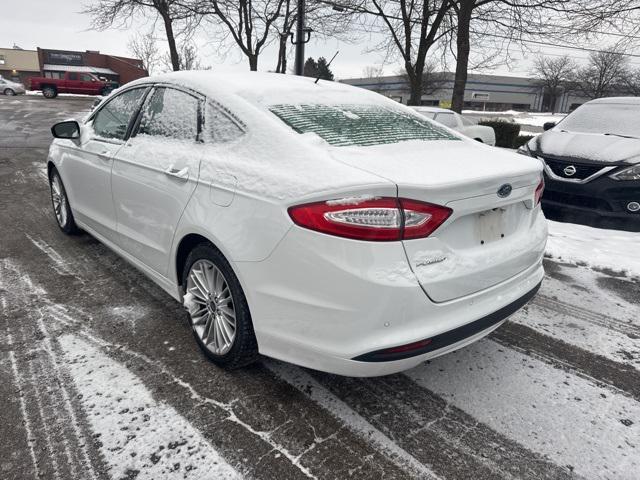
100, 377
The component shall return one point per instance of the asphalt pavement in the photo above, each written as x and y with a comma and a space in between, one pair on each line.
100, 377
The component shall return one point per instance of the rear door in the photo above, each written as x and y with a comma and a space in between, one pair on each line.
155, 174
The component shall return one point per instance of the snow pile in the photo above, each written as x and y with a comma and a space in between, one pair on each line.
594, 247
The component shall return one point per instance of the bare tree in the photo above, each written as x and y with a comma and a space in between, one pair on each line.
413, 28
144, 48
631, 82
248, 22
433, 78
554, 76
502, 22
187, 58
605, 71
108, 13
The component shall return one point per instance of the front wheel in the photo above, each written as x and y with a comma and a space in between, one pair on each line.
9, 92
217, 309
49, 92
60, 204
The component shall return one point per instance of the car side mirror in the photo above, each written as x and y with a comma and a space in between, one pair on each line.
93, 79
69, 130
548, 126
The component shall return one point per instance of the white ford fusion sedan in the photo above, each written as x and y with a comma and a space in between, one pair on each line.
316, 223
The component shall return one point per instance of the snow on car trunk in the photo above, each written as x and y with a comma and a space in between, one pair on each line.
488, 238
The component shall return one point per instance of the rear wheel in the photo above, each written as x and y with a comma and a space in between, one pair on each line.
217, 309
60, 204
49, 92
9, 92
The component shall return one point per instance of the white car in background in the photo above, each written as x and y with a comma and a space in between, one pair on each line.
9, 88
460, 123
320, 224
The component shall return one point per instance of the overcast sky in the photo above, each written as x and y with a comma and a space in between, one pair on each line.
60, 25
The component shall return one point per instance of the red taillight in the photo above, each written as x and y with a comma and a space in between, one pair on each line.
539, 191
380, 219
406, 348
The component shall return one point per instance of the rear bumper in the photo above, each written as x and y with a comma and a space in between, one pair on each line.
321, 302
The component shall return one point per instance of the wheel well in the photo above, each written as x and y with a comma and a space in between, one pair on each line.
50, 168
188, 243
45, 85
478, 140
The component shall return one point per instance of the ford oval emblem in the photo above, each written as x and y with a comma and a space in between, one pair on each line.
505, 190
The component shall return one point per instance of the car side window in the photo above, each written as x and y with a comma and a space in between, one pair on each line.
447, 119
170, 113
112, 120
73, 76
85, 77
220, 126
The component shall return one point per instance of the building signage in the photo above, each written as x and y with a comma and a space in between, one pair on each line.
64, 58
480, 96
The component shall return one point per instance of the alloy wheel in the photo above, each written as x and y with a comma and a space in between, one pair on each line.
213, 315
59, 199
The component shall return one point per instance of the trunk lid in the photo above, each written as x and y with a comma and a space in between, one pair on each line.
488, 238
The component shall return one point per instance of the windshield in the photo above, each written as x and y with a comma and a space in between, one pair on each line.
614, 118
363, 125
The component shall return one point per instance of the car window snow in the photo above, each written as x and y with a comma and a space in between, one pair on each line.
219, 126
361, 124
113, 119
616, 119
170, 113
447, 119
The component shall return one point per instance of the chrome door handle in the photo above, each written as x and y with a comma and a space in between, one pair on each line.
174, 172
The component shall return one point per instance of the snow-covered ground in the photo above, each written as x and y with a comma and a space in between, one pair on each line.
598, 248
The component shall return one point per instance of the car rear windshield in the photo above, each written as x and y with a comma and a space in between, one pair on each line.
363, 125
613, 118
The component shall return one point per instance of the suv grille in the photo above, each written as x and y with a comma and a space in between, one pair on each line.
562, 169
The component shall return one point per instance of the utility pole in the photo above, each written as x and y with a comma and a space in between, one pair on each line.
302, 36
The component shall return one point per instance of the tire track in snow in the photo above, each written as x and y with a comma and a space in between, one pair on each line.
60, 265
304, 382
448, 440
594, 318
592, 430
26, 420
140, 437
556, 352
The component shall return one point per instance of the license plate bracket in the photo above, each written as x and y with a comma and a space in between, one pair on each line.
490, 225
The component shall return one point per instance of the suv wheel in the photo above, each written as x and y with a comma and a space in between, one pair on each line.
60, 204
49, 92
9, 92
217, 309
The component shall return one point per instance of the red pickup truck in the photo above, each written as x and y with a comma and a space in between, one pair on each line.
73, 82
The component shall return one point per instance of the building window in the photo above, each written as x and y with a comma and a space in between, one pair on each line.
2, 61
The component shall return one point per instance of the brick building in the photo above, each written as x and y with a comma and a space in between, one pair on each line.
121, 70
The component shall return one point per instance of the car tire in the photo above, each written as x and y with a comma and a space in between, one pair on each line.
211, 319
49, 92
105, 92
9, 92
60, 204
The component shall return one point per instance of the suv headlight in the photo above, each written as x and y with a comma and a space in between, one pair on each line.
631, 173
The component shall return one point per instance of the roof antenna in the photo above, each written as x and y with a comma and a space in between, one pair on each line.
328, 65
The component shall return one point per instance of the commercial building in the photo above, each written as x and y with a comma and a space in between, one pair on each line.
121, 70
484, 92
18, 65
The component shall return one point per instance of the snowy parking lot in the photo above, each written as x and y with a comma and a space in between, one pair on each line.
101, 379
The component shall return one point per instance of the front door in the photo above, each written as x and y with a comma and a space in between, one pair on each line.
155, 173
87, 170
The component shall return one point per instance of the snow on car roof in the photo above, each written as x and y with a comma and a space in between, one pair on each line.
432, 109
269, 88
617, 100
